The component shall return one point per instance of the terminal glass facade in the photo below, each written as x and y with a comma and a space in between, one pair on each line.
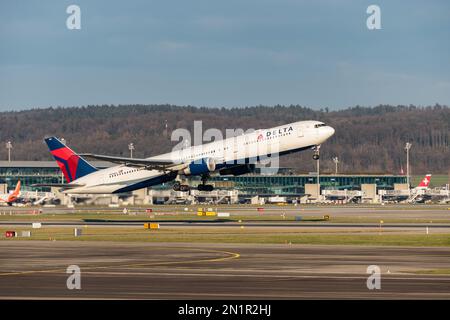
29, 176
295, 184
34, 172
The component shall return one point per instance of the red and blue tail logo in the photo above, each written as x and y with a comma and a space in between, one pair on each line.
72, 165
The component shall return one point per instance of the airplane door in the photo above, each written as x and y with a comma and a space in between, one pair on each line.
300, 132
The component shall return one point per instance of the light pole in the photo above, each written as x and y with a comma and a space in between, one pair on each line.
336, 161
131, 148
9, 147
317, 158
166, 131
407, 147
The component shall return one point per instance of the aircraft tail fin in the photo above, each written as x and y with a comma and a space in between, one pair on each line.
71, 164
425, 183
17, 189
13, 195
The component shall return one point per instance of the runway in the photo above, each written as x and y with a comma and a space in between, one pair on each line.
37, 269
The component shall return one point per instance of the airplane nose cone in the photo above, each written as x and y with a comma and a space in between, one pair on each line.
329, 131
332, 131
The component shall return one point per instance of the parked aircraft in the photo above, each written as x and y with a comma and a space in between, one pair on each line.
424, 183
11, 197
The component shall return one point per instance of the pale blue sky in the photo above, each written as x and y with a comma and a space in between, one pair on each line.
224, 53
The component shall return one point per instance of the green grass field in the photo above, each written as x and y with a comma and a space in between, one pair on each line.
92, 216
193, 218
233, 235
433, 271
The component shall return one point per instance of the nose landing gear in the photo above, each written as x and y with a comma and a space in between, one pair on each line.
316, 155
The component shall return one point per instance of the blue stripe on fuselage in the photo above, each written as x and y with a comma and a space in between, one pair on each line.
148, 183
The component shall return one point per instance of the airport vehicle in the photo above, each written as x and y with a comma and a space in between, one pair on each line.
11, 197
236, 155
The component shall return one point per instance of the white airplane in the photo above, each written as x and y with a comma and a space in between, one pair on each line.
416, 194
236, 155
419, 193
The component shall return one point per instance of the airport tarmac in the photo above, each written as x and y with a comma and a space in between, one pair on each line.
270, 227
430, 212
418, 219
37, 269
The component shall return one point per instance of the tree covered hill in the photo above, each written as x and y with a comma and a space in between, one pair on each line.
367, 140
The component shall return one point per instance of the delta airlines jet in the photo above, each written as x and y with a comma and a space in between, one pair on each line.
236, 155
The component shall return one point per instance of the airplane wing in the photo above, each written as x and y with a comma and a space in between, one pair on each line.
59, 185
163, 164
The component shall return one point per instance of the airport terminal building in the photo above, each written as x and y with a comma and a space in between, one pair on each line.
283, 183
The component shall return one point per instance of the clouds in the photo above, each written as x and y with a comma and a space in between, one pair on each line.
172, 46
217, 23
229, 53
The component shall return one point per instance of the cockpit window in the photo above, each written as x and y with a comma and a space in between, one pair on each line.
320, 125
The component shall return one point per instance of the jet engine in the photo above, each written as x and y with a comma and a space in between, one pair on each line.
199, 167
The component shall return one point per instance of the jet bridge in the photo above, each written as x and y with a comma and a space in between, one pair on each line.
343, 195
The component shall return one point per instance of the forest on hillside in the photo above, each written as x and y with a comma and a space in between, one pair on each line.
367, 139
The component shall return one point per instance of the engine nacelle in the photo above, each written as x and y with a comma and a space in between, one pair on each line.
201, 166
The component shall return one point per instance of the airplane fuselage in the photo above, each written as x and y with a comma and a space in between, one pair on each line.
243, 149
